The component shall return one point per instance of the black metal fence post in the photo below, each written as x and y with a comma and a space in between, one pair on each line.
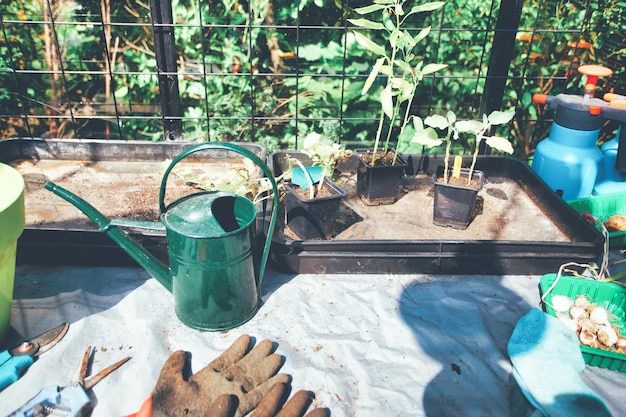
501, 55
500, 58
164, 48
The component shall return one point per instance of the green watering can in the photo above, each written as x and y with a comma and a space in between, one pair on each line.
211, 241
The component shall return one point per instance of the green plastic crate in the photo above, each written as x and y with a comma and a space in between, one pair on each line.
603, 207
604, 294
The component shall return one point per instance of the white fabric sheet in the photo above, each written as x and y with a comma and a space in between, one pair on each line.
367, 345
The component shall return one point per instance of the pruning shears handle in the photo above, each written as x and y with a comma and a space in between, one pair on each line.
46, 402
12, 367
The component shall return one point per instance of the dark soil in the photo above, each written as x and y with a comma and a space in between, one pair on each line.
382, 159
319, 192
119, 189
460, 181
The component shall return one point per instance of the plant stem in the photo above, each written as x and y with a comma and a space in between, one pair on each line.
479, 138
308, 178
319, 184
407, 116
445, 160
386, 148
381, 121
390, 77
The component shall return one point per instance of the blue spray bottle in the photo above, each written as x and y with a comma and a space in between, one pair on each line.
569, 160
612, 175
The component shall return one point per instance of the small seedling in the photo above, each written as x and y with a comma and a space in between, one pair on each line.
453, 128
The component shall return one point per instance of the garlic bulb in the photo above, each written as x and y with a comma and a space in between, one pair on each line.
582, 301
599, 315
587, 336
578, 313
607, 335
586, 323
590, 322
561, 303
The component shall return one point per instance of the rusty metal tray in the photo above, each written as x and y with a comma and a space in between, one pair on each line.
119, 178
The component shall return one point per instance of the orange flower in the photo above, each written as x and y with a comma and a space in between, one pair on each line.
581, 44
526, 37
286, 55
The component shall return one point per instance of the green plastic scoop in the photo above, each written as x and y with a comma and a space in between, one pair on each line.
299, 177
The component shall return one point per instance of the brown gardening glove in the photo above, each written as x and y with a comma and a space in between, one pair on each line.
239, 378
273, 403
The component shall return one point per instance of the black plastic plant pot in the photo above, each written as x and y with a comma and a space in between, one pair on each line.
377, 185
454, 204
313, 218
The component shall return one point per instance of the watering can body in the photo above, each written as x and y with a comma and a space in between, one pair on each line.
215, 272
212, 266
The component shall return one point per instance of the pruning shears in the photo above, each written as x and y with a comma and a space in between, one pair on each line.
14, 362
71, 400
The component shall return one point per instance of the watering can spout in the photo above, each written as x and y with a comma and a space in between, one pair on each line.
149, 262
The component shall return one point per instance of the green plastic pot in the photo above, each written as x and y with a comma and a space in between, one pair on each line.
11, 227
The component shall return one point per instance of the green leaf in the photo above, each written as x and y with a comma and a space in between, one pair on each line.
427, 7
406, 90
121, 92
408, 148
369, 9
387, 22
421, 35
311, 52
431, 68
312, 140
399, 83
501, 144
406, 68
451, 116
500, 117
427, 137
366, 43
393, 39
417, 123
437, 121
407, 40
386, 70
468, 126
373, 74
366, 24
386, 100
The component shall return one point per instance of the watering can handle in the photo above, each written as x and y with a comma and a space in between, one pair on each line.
248, 154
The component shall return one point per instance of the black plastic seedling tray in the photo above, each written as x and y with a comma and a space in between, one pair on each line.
400, 238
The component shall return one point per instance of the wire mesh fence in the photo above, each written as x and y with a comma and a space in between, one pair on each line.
272, 71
